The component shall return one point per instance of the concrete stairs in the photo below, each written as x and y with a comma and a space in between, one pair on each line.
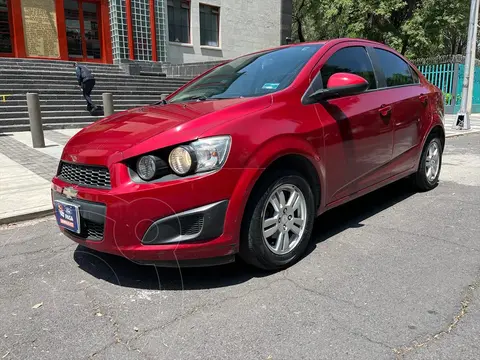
61, 99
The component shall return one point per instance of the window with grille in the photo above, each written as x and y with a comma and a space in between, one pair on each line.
209, 24
141, 30
179, 21
5, 30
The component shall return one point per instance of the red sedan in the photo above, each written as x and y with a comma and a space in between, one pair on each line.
242, 159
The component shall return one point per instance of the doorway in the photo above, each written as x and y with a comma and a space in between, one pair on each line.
6, 46
82, 22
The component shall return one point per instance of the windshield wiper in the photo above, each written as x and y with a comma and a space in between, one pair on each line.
161, 102
197, 97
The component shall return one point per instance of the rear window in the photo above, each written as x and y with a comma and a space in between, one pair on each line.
397, 71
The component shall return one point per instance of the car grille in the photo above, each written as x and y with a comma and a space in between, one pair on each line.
85, 175
191, 225
89, 230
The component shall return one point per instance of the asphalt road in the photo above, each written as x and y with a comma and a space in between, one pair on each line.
393, 275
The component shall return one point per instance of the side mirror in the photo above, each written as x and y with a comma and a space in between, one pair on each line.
341, 84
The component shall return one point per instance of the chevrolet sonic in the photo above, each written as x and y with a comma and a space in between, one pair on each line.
242, 159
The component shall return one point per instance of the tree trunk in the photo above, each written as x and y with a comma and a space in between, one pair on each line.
301, 38
404, 45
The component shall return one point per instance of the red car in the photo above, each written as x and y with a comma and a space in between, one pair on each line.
241, 160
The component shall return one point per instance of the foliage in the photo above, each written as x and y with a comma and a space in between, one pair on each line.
417, 28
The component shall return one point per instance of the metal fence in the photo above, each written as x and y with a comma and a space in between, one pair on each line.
448, 77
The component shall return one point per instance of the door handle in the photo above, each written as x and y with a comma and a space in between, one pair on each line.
385, 110
423, 99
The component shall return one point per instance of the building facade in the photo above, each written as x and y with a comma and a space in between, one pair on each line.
118, 31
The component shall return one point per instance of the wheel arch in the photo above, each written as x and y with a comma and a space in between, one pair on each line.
285, 151
299, 163
438, 130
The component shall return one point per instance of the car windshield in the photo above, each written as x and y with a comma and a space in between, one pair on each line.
251, 75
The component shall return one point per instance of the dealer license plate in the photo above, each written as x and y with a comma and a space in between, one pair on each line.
68, 215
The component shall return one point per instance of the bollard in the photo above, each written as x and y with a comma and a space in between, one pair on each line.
107, 104
35, 116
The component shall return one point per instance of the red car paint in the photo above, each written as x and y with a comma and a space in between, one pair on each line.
355, 143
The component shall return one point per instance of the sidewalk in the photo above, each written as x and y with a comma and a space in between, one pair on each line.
26, 172
450, 119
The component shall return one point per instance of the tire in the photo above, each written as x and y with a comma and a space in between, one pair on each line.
258, 250
422, 179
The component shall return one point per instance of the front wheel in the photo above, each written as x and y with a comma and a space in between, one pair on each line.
278, 221
426, 178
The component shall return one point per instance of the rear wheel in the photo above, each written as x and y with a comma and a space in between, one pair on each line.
278, 221
426, 178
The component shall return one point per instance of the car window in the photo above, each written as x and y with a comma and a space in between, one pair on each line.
397, 72
352, 60
416, 79
251, 75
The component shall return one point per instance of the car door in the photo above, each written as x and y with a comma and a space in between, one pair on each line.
408, 98
357, 129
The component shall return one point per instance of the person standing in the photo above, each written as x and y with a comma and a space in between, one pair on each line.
86, 81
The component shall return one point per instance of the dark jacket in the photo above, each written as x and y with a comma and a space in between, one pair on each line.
83, 74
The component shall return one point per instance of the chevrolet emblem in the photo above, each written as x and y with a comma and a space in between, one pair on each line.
70, 192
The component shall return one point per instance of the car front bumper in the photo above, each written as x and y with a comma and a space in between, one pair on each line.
181, 221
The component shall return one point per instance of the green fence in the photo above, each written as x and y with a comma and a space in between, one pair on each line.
448, 77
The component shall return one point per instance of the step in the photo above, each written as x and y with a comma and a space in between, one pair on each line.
14, 81
30, 65
59, 125
6, 71
74, 90
80, 105
52, 119
79, 101
52, 113
57, 64
58, 68
48, 94
25, 76
51, 62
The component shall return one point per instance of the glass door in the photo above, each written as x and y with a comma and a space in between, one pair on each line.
82, 22
6, 47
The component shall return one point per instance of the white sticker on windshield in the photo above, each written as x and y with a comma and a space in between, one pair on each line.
270, 86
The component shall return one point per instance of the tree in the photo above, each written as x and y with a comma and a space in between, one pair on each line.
417, 28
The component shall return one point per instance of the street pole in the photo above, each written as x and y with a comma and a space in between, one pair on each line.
463, 116
107, 104
472, 65
35, 118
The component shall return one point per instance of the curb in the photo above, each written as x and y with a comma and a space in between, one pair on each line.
467, 132
24, 217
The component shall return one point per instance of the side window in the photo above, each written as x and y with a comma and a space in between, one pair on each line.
416, 79
352, 60
397, 72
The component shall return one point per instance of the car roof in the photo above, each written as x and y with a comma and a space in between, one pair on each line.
335, 41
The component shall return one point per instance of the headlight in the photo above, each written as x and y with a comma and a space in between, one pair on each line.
201, 155
182, 160
148, 166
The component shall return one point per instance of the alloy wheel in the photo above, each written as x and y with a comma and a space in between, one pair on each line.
432, 162
284, 219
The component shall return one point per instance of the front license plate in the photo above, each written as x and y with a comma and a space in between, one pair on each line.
68, 216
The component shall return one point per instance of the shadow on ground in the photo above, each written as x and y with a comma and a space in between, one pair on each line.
123, 272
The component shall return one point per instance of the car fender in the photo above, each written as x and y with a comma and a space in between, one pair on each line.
255, 166
437, 119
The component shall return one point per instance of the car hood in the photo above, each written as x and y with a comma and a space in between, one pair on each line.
127, 133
